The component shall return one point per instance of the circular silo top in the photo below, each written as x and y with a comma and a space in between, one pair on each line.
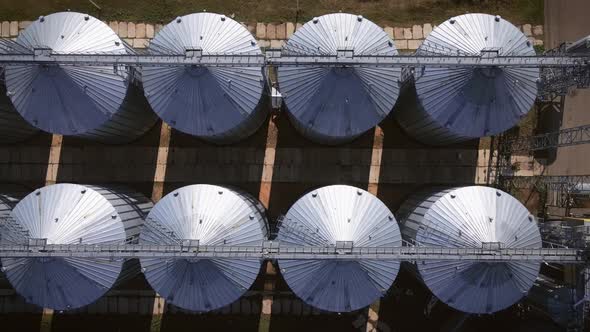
204, 100
203, 215
64, 214
66, 99
476, 102
335, 104
476, 217
343, 217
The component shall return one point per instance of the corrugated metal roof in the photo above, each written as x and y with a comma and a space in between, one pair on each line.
465, 218
453, 104
69, 214
334, 105
214, 103
339, 213
76, 100
213, 215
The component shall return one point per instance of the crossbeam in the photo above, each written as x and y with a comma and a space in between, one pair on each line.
274, 58
431, 61
565, 137
272, 250
552, 182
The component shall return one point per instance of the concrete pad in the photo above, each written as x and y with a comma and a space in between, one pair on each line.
23, 24
5, 29
417, 32
149, 31
290, 29
131, 30
276, 43
414, 44
115, 26
140, 30
407, 33
122, 29
281, 31
527, 30
13, 28
264, 43
398, 33
426, 29
271, 31
260, 31
389, 31
251, 28
141, 43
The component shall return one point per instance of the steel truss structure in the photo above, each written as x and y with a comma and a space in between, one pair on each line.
21, 245
273, 250
563, 182
557, 82
275, 58
561, 70
562, 188
564, 137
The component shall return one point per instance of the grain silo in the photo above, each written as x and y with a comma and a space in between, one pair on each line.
336, 104
204, 215
450, 104
102, 103
343, 217
218, 104
472, 217
71, 214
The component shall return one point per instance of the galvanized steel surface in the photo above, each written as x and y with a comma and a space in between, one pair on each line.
90, 101
271, 250
472, 217
339, 213
213, 215
10, 195
220, 104
273, 57
446, 105
334, 105
69, 214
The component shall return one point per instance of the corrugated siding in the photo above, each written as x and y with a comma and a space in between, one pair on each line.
335, 105
215, 216
87, 101
218, 104
69, 214
465, 218
339, 213
446, 105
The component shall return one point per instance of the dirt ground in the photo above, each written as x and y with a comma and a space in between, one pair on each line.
563, 22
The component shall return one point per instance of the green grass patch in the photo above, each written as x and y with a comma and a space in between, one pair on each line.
383, 12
